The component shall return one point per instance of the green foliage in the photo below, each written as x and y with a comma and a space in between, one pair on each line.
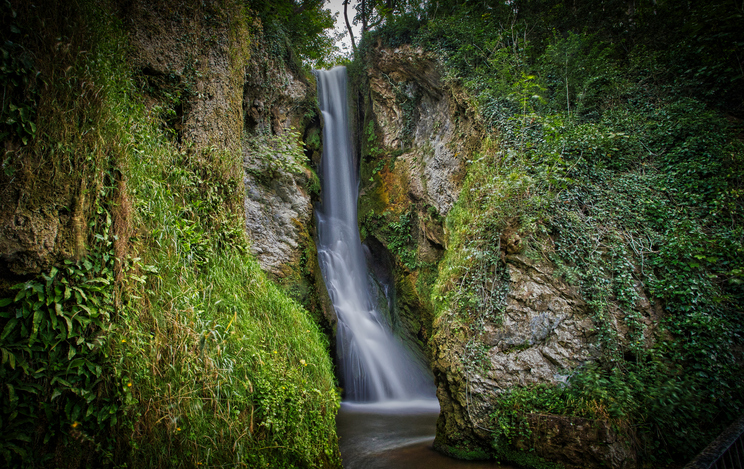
54, 344
306, 25
525, 458
18, 76
633, 192
372, 150
398, 30
467, 453
396, 233
400, 241
653, 396
166, 345
60, 389
250, 381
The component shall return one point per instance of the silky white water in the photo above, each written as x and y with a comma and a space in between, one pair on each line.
374, 366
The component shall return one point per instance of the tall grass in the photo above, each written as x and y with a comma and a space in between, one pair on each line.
224, 368
205, 362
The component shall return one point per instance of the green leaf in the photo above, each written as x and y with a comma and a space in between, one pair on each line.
82, 293
5, 302
8, 357
76, 363
69, 326
57, 379
8, 328
21, 294
38, 315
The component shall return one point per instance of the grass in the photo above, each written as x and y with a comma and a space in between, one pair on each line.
199, 360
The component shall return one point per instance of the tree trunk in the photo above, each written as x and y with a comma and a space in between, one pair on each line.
348, 25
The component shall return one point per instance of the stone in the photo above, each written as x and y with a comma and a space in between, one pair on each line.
579, 443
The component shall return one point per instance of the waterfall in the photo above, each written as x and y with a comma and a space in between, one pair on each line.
374, 365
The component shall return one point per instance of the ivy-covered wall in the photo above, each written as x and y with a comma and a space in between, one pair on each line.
592, 253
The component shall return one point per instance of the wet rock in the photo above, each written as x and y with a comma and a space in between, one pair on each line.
579, 443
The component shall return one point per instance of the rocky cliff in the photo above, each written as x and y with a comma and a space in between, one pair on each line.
420, 138
159, 191
413, 139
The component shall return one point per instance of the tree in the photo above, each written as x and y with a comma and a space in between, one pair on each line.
306, 23
348, 26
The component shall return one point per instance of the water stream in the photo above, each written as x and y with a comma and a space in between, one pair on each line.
388, 416
374, 364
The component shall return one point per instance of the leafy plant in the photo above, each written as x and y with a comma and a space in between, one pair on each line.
55, 337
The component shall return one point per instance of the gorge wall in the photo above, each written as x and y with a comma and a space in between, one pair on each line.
419, 138
169, 187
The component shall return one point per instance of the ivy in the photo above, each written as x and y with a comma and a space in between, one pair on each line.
19, 77
631, 191
55, 337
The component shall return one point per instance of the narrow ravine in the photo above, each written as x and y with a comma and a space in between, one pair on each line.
374, 365
388, 416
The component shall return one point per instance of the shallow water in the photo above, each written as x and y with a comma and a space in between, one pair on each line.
395, 436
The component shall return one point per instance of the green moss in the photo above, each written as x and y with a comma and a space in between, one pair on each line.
465, 452
190, 354
526, 459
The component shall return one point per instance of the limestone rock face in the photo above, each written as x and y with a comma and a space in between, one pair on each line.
425, 129
278, 211
416, 130
29, 239
44, 221
278, 206
545, 331
232, 102
423, 119
171, 46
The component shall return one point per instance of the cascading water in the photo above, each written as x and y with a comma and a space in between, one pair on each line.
388, 418
374, 366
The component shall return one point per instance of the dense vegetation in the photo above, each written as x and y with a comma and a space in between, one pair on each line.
157, 341
615, 152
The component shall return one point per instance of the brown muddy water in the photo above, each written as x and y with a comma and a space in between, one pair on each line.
390, 436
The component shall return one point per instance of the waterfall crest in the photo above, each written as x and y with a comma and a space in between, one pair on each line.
374, 365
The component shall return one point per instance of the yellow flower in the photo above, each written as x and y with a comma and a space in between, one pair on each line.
123, 340
75, 424
303, 362
178, 429
129, 385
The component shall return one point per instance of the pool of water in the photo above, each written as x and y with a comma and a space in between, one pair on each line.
395, 436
